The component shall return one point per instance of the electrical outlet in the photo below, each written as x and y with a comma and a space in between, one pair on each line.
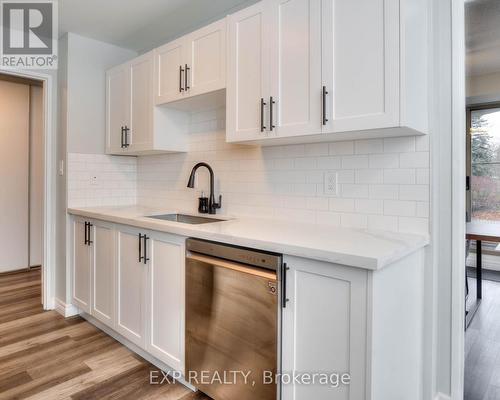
331, 183
93, 180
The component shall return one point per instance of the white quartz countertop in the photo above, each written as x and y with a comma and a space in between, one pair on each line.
353, 247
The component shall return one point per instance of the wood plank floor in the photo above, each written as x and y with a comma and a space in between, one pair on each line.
482, 346
45, 356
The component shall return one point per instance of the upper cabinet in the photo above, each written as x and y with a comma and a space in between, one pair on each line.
306, 70
133, 125
294, 71
192, 65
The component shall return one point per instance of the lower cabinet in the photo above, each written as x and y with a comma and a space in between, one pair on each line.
166, 299
132, 280
131, 286
324, 328
103, 272
82, 265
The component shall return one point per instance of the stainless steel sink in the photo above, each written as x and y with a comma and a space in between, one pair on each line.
185, 219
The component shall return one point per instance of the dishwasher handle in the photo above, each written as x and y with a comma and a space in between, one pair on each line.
218, 262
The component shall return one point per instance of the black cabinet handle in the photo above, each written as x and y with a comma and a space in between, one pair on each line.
180, 78
186, 85
284, 299
262, 104
125, 135
86, 233
146, 259
325, 120
140, 247
271, 102
89, 227
121, 137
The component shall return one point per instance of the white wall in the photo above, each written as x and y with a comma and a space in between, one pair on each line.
87, 61
483, 85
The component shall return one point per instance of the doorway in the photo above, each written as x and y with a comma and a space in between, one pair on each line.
21, 173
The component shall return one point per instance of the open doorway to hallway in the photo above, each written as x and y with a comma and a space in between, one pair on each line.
21, 173
482, 336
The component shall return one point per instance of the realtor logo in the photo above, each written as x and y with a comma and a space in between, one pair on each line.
29, 33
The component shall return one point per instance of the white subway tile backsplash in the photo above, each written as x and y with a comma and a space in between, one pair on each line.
414, 192
369, 176
382, 183
384, 161
399, 145
353, 162
400, 176
341, 148
355, 191
101, 180
414, 160
369, 146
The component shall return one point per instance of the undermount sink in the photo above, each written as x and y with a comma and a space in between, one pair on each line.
185, 219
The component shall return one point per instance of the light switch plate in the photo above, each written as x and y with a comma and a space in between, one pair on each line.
331, 183
93, 180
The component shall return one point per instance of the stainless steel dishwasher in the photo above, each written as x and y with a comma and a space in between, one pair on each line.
233, 320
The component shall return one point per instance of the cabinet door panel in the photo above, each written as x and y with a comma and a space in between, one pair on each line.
81, 267
362, 51
103, 277
166, 299
324, 328
248, 72
168, 61
296, 67
131, 288
141, 104
117, 101
206, 58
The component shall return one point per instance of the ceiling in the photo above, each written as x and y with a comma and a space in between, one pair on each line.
140, 24
482, 24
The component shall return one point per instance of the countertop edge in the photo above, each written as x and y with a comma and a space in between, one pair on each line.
347, 259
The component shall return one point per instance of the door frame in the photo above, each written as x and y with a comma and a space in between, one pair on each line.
49, 183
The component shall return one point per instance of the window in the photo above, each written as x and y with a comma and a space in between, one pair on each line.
483, 197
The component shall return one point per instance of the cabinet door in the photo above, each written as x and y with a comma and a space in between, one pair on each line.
103, 272
141, 103
206, 59
166, 300
131, 281
295, 67
117, 107
361, 63
248, 73
82, 264
324, 328
169, 66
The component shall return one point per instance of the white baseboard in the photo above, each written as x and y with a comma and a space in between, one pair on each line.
66, 310
441, 396
136, 349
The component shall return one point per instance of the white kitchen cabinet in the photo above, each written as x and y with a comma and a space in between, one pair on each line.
131, 286
295, 64
248, 73
133, 125
166, 299
82, 265
336, 70
117, 108
103, 272
324, 327
192, 65
169, 72
367, 324
141, 103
